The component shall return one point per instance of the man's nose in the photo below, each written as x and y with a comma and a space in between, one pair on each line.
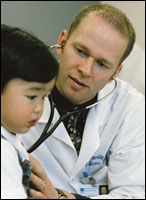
86, 67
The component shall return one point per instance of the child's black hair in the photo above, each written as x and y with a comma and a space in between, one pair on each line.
24, 56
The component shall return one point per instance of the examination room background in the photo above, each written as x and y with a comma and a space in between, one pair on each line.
46, 19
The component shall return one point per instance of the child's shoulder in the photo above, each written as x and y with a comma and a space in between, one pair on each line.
8, 152
11, 172
10, 160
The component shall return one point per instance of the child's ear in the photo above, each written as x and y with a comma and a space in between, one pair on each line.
61, 41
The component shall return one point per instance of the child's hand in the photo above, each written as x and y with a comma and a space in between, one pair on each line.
42, 186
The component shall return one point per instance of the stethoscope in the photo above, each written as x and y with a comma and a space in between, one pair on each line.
47, 132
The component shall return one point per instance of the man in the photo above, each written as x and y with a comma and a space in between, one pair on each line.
106, 149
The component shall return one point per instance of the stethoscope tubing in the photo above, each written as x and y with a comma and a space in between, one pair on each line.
47, 132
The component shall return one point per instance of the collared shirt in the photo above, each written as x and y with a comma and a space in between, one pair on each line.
15, 167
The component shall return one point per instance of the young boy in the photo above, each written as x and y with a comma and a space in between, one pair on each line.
28, 73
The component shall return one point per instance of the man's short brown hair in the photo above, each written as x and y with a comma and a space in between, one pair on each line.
112, 15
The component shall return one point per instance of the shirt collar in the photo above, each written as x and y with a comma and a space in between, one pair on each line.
64, 104
15, 140
58, 96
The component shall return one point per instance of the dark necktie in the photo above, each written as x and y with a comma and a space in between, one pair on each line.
26, 168
73, 132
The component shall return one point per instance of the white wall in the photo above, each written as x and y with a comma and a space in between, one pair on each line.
46, 19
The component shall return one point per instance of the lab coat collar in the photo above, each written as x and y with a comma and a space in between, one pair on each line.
46, 111
104, 107
106, 90
61, 133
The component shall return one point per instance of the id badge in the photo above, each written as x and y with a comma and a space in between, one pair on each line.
91, 191
90, 188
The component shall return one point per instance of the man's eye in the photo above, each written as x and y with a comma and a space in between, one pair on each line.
101, 64
81, 52
31, 97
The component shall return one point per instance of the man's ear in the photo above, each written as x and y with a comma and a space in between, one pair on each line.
116, 72
61, 41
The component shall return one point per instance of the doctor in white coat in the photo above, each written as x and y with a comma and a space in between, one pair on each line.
110, 163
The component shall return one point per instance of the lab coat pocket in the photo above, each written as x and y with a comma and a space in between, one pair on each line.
101, 175
96, 178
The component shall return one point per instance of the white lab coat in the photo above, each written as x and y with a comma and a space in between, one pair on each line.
112, 150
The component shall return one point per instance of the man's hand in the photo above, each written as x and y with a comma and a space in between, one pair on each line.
44, 189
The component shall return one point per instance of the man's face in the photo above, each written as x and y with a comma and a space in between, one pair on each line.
89, 59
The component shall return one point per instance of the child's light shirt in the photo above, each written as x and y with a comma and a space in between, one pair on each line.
11, 171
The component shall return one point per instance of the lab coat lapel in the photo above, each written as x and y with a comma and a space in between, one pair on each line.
97, 117
60, 133
104, 108
62, 148
111, 126
90, 142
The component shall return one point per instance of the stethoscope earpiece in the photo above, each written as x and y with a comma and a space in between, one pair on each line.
56, 46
